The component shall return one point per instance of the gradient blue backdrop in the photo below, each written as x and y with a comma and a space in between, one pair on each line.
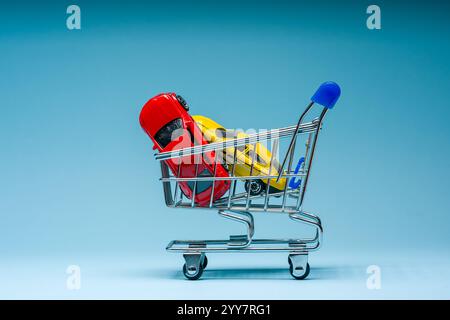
78, 181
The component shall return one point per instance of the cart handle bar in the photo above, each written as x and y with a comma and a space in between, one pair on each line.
327, 95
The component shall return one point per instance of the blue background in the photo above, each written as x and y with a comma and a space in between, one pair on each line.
78, 183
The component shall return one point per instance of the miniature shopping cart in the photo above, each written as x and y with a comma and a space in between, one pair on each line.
241, 200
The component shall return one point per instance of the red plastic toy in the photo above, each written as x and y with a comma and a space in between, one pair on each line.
166, 121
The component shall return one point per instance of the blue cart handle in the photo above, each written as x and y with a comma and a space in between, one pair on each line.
327, 95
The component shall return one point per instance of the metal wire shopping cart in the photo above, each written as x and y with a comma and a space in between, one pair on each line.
243, 197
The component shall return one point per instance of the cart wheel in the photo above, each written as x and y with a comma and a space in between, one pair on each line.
204, 263
192, 274
182, 102
303, 276
255, 187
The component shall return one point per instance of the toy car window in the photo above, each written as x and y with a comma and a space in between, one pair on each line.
276, 164
232, 133
201, 185
169, 132
260, 160
241, 148
257, 158
221, 133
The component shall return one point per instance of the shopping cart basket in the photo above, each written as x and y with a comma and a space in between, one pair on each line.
240, 202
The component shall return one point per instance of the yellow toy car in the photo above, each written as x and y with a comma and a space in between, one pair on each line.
214, 132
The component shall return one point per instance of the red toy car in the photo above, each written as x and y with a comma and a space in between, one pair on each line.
166, 120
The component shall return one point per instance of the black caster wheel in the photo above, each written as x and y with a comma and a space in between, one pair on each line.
303, 276
255, 187
192, 275
183, 102
205, 262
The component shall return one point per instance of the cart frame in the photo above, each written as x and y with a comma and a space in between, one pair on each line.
239, 206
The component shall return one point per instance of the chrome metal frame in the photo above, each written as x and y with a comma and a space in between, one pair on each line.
238, 206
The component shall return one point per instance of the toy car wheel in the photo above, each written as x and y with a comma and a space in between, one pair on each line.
255, 187
192, 274
205, 262
183, 102
303, 276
